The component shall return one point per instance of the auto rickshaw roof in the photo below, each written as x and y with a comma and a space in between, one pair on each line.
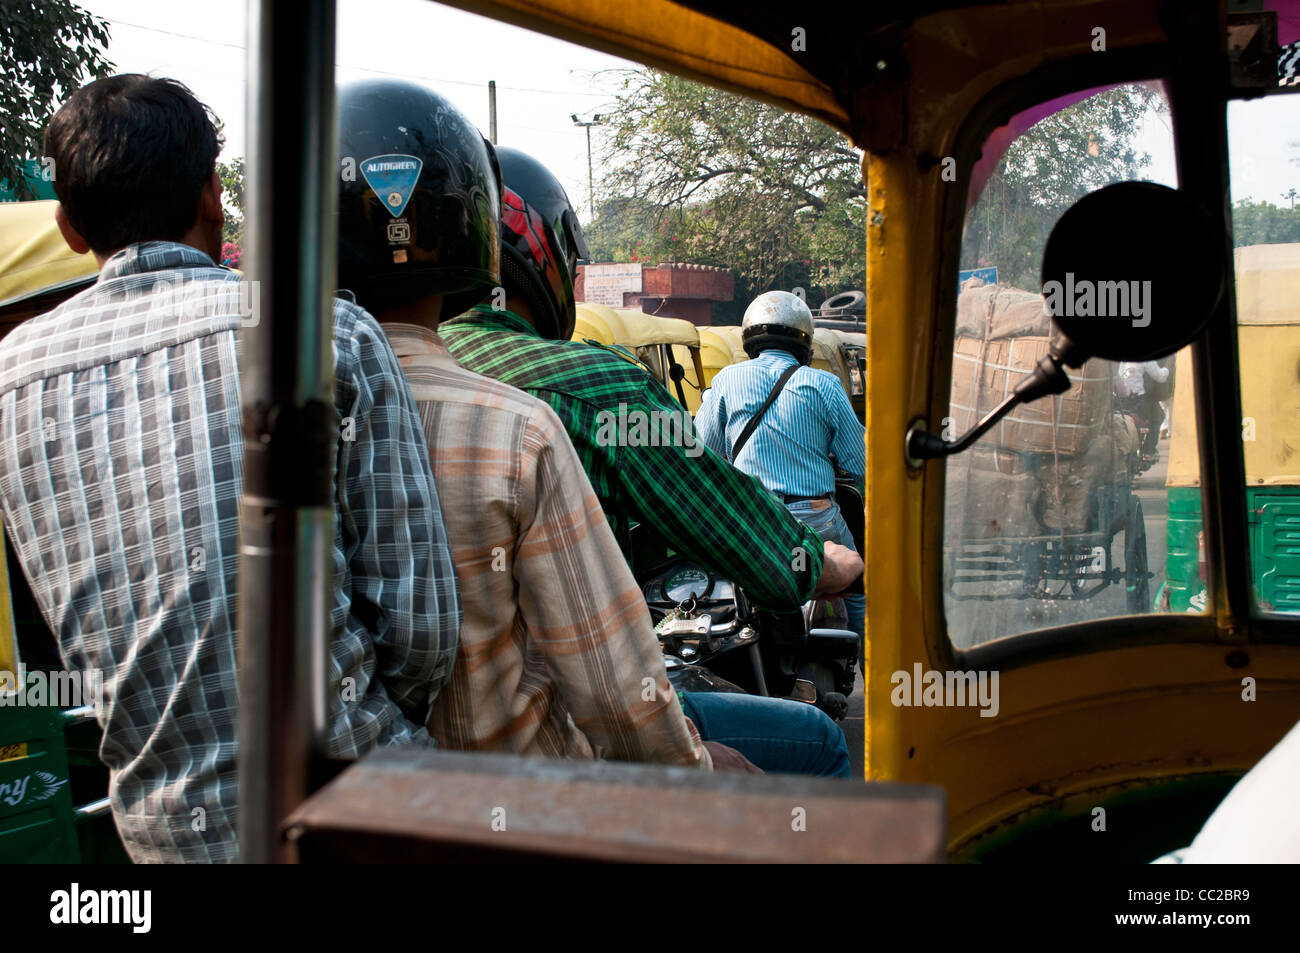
631, 328
724, 342
595, 322
745, 47
826, 345
642, 329
840, 338
34, 258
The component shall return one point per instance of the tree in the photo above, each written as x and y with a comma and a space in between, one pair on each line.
1060, 159
48, 48
232, 194
1263, 223
710, 177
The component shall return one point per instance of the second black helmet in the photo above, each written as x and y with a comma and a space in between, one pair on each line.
419, 198
541, 242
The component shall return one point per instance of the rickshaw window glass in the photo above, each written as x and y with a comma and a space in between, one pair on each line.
1264, 169
1068, 510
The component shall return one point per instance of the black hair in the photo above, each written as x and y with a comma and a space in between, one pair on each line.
131, 156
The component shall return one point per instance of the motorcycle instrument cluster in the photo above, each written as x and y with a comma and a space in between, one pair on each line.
689, 582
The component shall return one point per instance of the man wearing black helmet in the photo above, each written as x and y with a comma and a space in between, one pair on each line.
557, 654
689, 496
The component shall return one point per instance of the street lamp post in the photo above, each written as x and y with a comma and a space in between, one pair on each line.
596, 120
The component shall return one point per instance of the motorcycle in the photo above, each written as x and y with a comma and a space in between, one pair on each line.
714, 640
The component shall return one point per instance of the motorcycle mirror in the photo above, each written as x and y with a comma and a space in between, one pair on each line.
1132, 272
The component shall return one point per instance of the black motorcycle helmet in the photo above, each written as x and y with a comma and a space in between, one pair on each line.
419, 199
541, 242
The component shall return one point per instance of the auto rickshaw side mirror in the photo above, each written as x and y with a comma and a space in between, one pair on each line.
1132, 272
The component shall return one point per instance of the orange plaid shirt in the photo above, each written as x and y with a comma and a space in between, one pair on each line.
557, 654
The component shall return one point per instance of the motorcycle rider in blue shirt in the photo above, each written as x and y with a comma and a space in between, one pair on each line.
806, 433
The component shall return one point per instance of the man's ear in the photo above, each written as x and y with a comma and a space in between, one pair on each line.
210, 208
70, 234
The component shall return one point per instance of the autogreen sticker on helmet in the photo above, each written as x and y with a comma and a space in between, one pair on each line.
393, 178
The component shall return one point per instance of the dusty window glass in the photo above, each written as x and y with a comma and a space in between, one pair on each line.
1264, 157
1062, 512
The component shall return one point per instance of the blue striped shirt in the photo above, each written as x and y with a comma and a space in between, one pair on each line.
121, 469
810, 422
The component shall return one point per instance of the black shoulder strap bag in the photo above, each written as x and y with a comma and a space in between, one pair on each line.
753, 421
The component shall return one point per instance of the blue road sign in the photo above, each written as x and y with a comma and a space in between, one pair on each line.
987, 275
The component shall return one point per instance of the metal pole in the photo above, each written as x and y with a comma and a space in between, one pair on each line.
492, 111
286, 380
591, 191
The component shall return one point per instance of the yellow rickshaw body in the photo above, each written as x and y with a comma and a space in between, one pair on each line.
1268, 336
660, 342
720, 347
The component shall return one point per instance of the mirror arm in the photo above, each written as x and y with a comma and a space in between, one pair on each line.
1047, 378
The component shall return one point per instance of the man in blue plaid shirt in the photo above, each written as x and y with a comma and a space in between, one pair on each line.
121, 472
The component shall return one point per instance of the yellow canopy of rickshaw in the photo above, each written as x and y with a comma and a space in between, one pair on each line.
726, 339
1268, 340
703, 47
594, 322
719, 347
33, 255
639, 329
630, 328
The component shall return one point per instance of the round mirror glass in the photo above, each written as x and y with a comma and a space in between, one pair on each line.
1133, 272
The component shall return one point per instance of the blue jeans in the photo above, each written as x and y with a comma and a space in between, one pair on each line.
778, 735
823, 516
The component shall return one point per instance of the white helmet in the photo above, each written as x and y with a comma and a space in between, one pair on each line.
778, 319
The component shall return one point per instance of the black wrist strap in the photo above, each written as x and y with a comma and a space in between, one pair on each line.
753, 421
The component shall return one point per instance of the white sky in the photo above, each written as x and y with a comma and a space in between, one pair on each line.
1264, 148
540, 81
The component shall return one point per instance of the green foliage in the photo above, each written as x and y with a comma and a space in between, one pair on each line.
709, 177
1068, 154
48, 48
232, 194
1262, 223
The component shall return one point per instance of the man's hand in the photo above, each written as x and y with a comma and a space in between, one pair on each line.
729, 759
841, 568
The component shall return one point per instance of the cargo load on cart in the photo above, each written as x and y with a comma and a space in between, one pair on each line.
1033, 507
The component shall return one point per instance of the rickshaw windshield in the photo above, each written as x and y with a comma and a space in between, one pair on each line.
1061, 513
